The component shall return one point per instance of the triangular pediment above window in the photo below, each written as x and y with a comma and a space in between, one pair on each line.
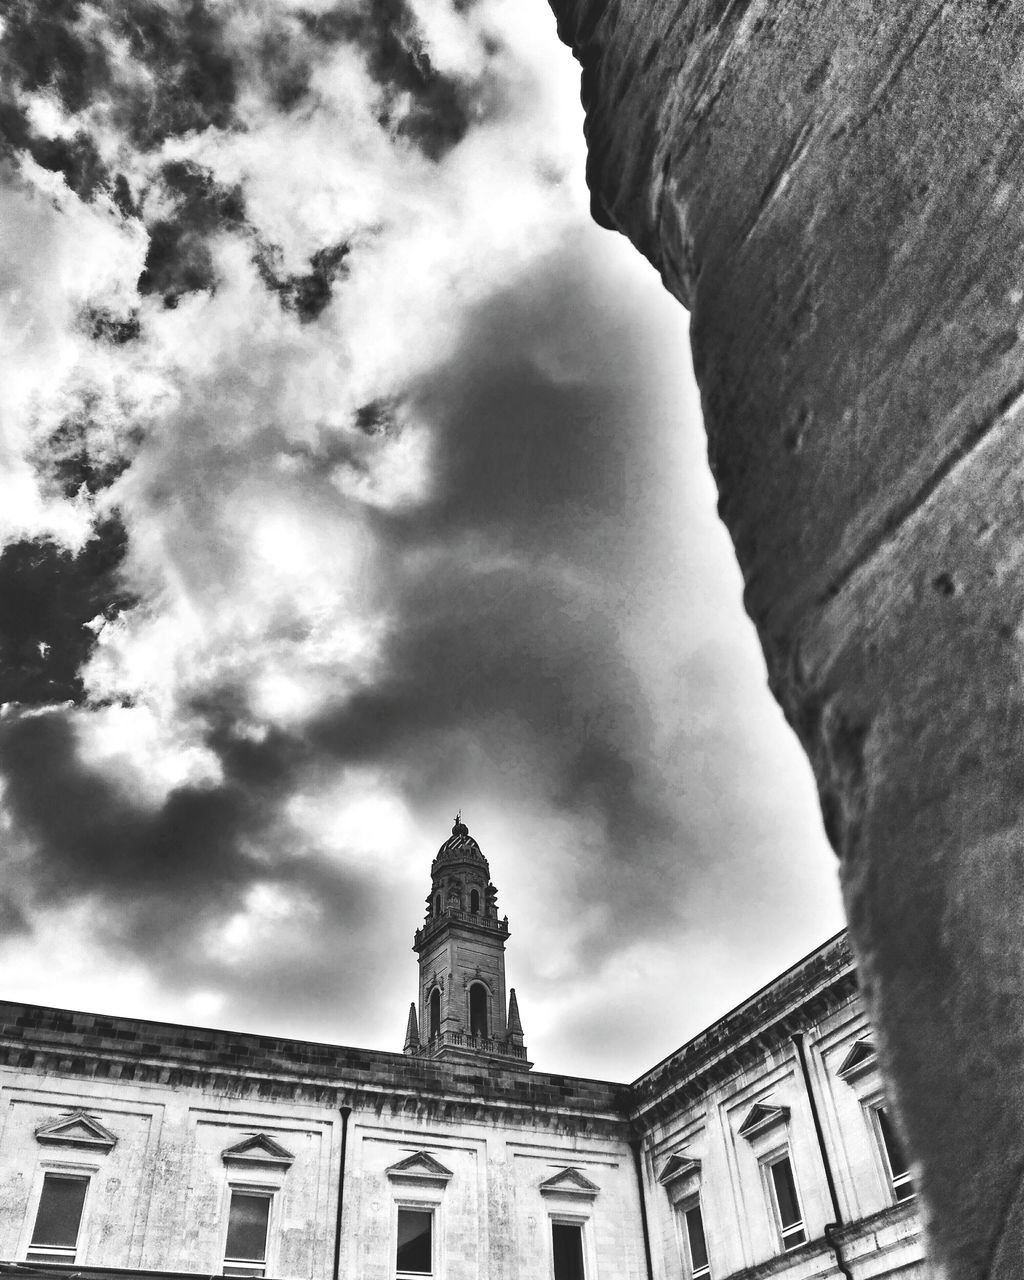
77, 1130
420, 1169
569, 1182
761, 1117
677, 1168
260, 1149
861, 1057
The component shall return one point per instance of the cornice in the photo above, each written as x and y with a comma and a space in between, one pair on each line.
814, 987
365, 1080
460, 922
61, 1042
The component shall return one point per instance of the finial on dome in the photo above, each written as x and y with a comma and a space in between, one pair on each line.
459, 828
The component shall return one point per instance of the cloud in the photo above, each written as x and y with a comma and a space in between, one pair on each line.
343, 463
433, 110
50, 603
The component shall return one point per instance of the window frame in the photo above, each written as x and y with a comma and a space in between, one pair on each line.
682, 1208
58, 1254
233, 1266
433, 1207
894, 1182
783, 1233
474, 985
582, 1222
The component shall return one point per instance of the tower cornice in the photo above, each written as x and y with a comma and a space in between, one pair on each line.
460, 921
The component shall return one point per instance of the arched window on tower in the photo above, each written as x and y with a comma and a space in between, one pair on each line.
435, 1013
474, 902
437, 905
478, 1010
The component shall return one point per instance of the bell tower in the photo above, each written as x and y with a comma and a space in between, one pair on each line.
462, 1013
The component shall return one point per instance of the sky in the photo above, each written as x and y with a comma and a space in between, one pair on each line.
351, 476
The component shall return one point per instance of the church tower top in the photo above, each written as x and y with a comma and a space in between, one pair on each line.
461, 948
459, 847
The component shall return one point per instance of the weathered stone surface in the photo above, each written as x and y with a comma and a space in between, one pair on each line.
837, 191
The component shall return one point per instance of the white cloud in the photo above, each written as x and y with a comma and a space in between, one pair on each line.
283, 554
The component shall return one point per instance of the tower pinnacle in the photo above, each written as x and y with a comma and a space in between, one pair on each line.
412, 1031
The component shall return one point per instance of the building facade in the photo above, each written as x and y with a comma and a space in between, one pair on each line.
763, 1147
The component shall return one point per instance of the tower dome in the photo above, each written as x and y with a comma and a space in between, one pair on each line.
459, 847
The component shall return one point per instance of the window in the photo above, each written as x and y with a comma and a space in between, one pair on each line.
785, 1202
567, 1250
414, 1255
478, 1010
435, 1013
695, 1245
437, 905
895, 1161
474, 902
58, 1218
245, 1251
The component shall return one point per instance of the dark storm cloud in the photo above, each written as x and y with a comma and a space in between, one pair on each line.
179, 259
69, 458
193, 80
162, 872
503, 659
432, 110
55, 45
537, 415
44, 47
48, 598
306, 293
52, 599
76, 158
93, 837
161, 880
505, 588
193, 65
499, 671
104, 325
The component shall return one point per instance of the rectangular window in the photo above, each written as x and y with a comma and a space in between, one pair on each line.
567, 1250
786, 1203
415, 1252
895, 1161
696, 1243
245, 1253
58, 1218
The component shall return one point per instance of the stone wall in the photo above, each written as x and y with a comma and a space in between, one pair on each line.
694, 1108
177, 1098
491, 1149
837, 192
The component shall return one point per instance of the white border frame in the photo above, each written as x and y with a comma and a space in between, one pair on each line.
871, 1107
680, 1209
250, 1187
65, 1168
562, 1219
430, 1033
426, 1202
766, 1162
477, 981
